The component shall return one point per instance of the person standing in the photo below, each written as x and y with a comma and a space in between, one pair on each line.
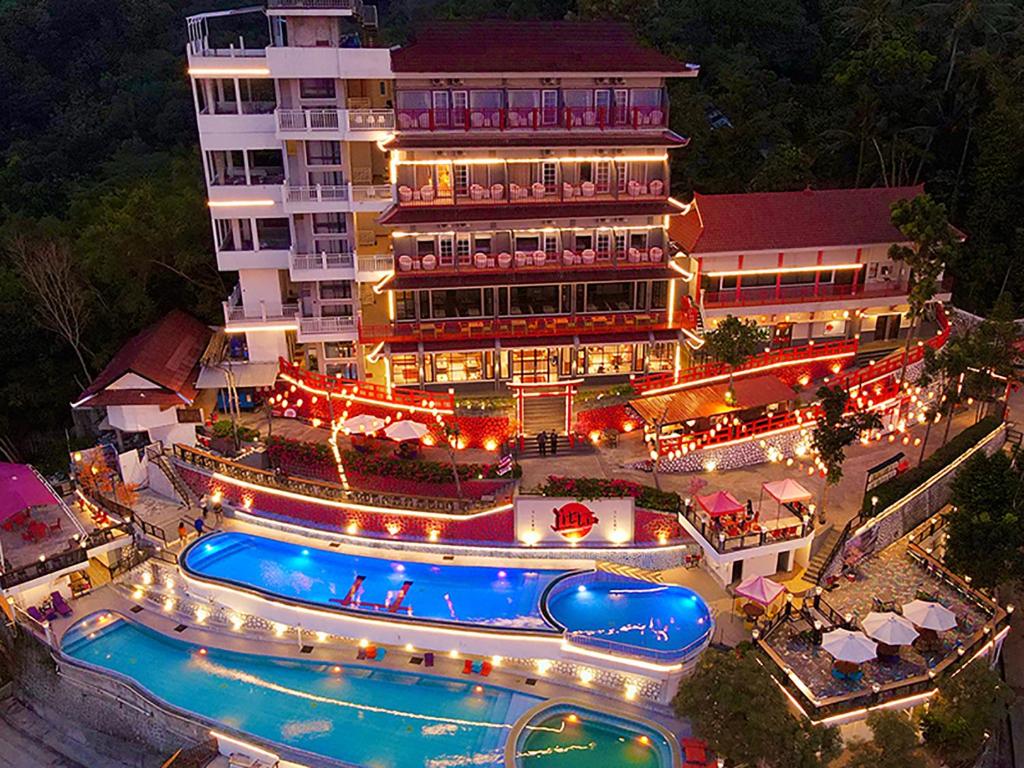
198, 524
204, 505
182, 532
553, 441
542, 443
218, 514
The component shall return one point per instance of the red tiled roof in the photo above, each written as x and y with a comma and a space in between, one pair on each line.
162, 397
766, 221
166, 353
428, 214
539, 139
544, 47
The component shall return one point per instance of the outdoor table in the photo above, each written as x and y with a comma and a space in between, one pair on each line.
753, 610
846, 667
38, 530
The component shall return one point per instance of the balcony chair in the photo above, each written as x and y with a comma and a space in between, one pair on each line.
656, 253
427, 193
477, 119
657, 187
634, 256
497, 191
589, 254
538, 189
587, 189
476, 192
520, 259
568, 257
567, 190
404, 194
406, 121
633, 188
404, 263
424, 120
504, 259
480, 260
429, 262
539, 257
590, 118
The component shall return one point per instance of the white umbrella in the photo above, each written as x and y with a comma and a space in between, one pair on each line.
845, 645
401, 431
928, 615
363, 424
889, 628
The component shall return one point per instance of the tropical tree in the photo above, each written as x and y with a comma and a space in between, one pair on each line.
834, 431
894, 743
932, 244
967, 708
733, 342
732, 687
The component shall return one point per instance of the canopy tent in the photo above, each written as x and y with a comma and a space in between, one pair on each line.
847, 645
363, 424
889, 628
784, 491
705, 402
401, 431
928, 615
760, 589
21, 488
720, 503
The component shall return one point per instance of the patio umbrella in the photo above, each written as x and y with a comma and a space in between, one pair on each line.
785, 492
928, 615
845, 645
720, 503
404, 430
363, 424
760, 589
889, 628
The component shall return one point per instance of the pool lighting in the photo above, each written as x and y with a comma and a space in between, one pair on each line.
581, 588
137, 594
169, 604
202, 651
586, 675
631, 691
453, 654
433, 535
147, 578
352, 529
572, 717
478, 689
502, 574
530, 538
279, 629
645, 740
496, 660
201, 615
321, 637
336, 669
364, 643
169, 583
662, 539
409, 647
305, 551
543, 665
393, 528
236, 622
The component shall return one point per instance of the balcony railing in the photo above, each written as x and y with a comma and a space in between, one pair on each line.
536, 192
368, 193
522, 327
733, 537
531, 118
263, 312
318, 193
321, 120
321, 5
61, 560
322, 326
376, 263
303, 262
532, 261
745, 297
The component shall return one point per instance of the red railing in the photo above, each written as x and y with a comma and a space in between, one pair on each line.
524, 327
532, 192
529, 261
364, 389
531, 118
777, 358
746, 297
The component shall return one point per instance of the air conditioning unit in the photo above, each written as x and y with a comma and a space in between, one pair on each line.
437, 82
550, 81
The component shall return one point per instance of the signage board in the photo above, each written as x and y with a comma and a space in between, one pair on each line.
564, 521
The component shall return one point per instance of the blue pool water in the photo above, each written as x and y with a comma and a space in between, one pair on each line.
660, 619
363, 716
497, 596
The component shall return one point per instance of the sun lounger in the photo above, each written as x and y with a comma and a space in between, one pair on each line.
428, 659
485, 668
59, 605
467, 666
36, 614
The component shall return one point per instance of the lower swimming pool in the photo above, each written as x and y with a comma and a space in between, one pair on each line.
358, 715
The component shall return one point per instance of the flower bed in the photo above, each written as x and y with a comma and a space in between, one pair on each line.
596, 488
616, 416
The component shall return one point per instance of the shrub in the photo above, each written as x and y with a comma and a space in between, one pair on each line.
222, 428
584, 488
895, 489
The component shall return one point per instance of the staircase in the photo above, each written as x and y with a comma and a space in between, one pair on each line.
531, 451
818, 562
866, 356
543, 414
157, 457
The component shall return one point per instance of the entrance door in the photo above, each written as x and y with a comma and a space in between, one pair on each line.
887, 327
737, 571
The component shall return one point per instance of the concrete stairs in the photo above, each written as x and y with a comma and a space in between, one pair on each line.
817, 564
543, 414
168, 470
531, 451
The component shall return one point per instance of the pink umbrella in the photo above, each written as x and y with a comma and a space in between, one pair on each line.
760, 589
720, 503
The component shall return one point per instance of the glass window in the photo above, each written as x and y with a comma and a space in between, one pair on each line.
339, 309
273, 233
610, 359
458, 302
405, 305
533, 300
339, 349
329, 223
462, 366
336, 289
798, 278
323, 152
523, 99
484, 99
609, 297
413, 99
258, 96
316, 88
646, 97
225, 167
575, 97
662, 356
659, 294
405, 369
266, 166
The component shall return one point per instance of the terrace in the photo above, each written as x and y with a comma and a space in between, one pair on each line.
529, 261
532, 118
810, 292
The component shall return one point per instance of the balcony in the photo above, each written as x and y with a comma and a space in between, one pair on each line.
266, 314
730, 535
792, 294
532, 262
373, 267
335, 123
326, 328
310, 267
489, 328
533, 119
340, 197
530, 193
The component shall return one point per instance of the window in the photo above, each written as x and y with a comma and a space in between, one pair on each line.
458, 302
549, 107
659, 294
461, 177
482, 244
645, 98
258, 96
339, 349
225, 167
316, 88
273, 234
405, 369
323, 153
603, 105
460, 366
610, 358
798, 278
485, 99
338, 309
405, 305
603, 177
610, 297
578, 98
329, 223
549, 176
266, 166
533, 300
662, 356
440, 104
620, 106
336, 289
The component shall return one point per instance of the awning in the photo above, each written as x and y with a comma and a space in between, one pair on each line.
720, 503
786, 491
245, 375
702, 402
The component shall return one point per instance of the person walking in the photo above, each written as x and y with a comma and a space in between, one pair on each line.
553, 441
218, 514
182, 532
198, 524
542, 443
204, 505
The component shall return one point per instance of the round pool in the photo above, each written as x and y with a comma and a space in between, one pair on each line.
603, 610
572, 737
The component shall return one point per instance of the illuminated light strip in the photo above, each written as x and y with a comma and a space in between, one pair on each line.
698, 342
650, 666
354, 505
245, 744
359, 399
374, 354
239, 203
265, 327
671, 302
688, 276
523, 160
434, 548
549, 230
725, 376
379, 287
786, 270
684, 207
256, 71
855, 714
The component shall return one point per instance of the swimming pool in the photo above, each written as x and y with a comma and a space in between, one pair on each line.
491, 596
664, 621
358, 715
571, 737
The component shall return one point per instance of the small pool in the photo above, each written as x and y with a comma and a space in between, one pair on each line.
664, 621
493, 595
358, 715
564, 737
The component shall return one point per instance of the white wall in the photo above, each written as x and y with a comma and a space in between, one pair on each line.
260, 285
140, 418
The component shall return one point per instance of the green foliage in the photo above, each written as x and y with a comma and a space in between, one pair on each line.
733, 341
986, 535
933, 244
968, 706
734, 704
222, 428
836, 430
895, 489
584, 488
894, 743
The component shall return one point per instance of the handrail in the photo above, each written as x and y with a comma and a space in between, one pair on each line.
582, 638
323, 490
60, 560
722, 542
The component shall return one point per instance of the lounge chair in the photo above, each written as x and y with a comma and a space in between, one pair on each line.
60, 605
467, 666
428, 659
381, 653
485, 668
36, 614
